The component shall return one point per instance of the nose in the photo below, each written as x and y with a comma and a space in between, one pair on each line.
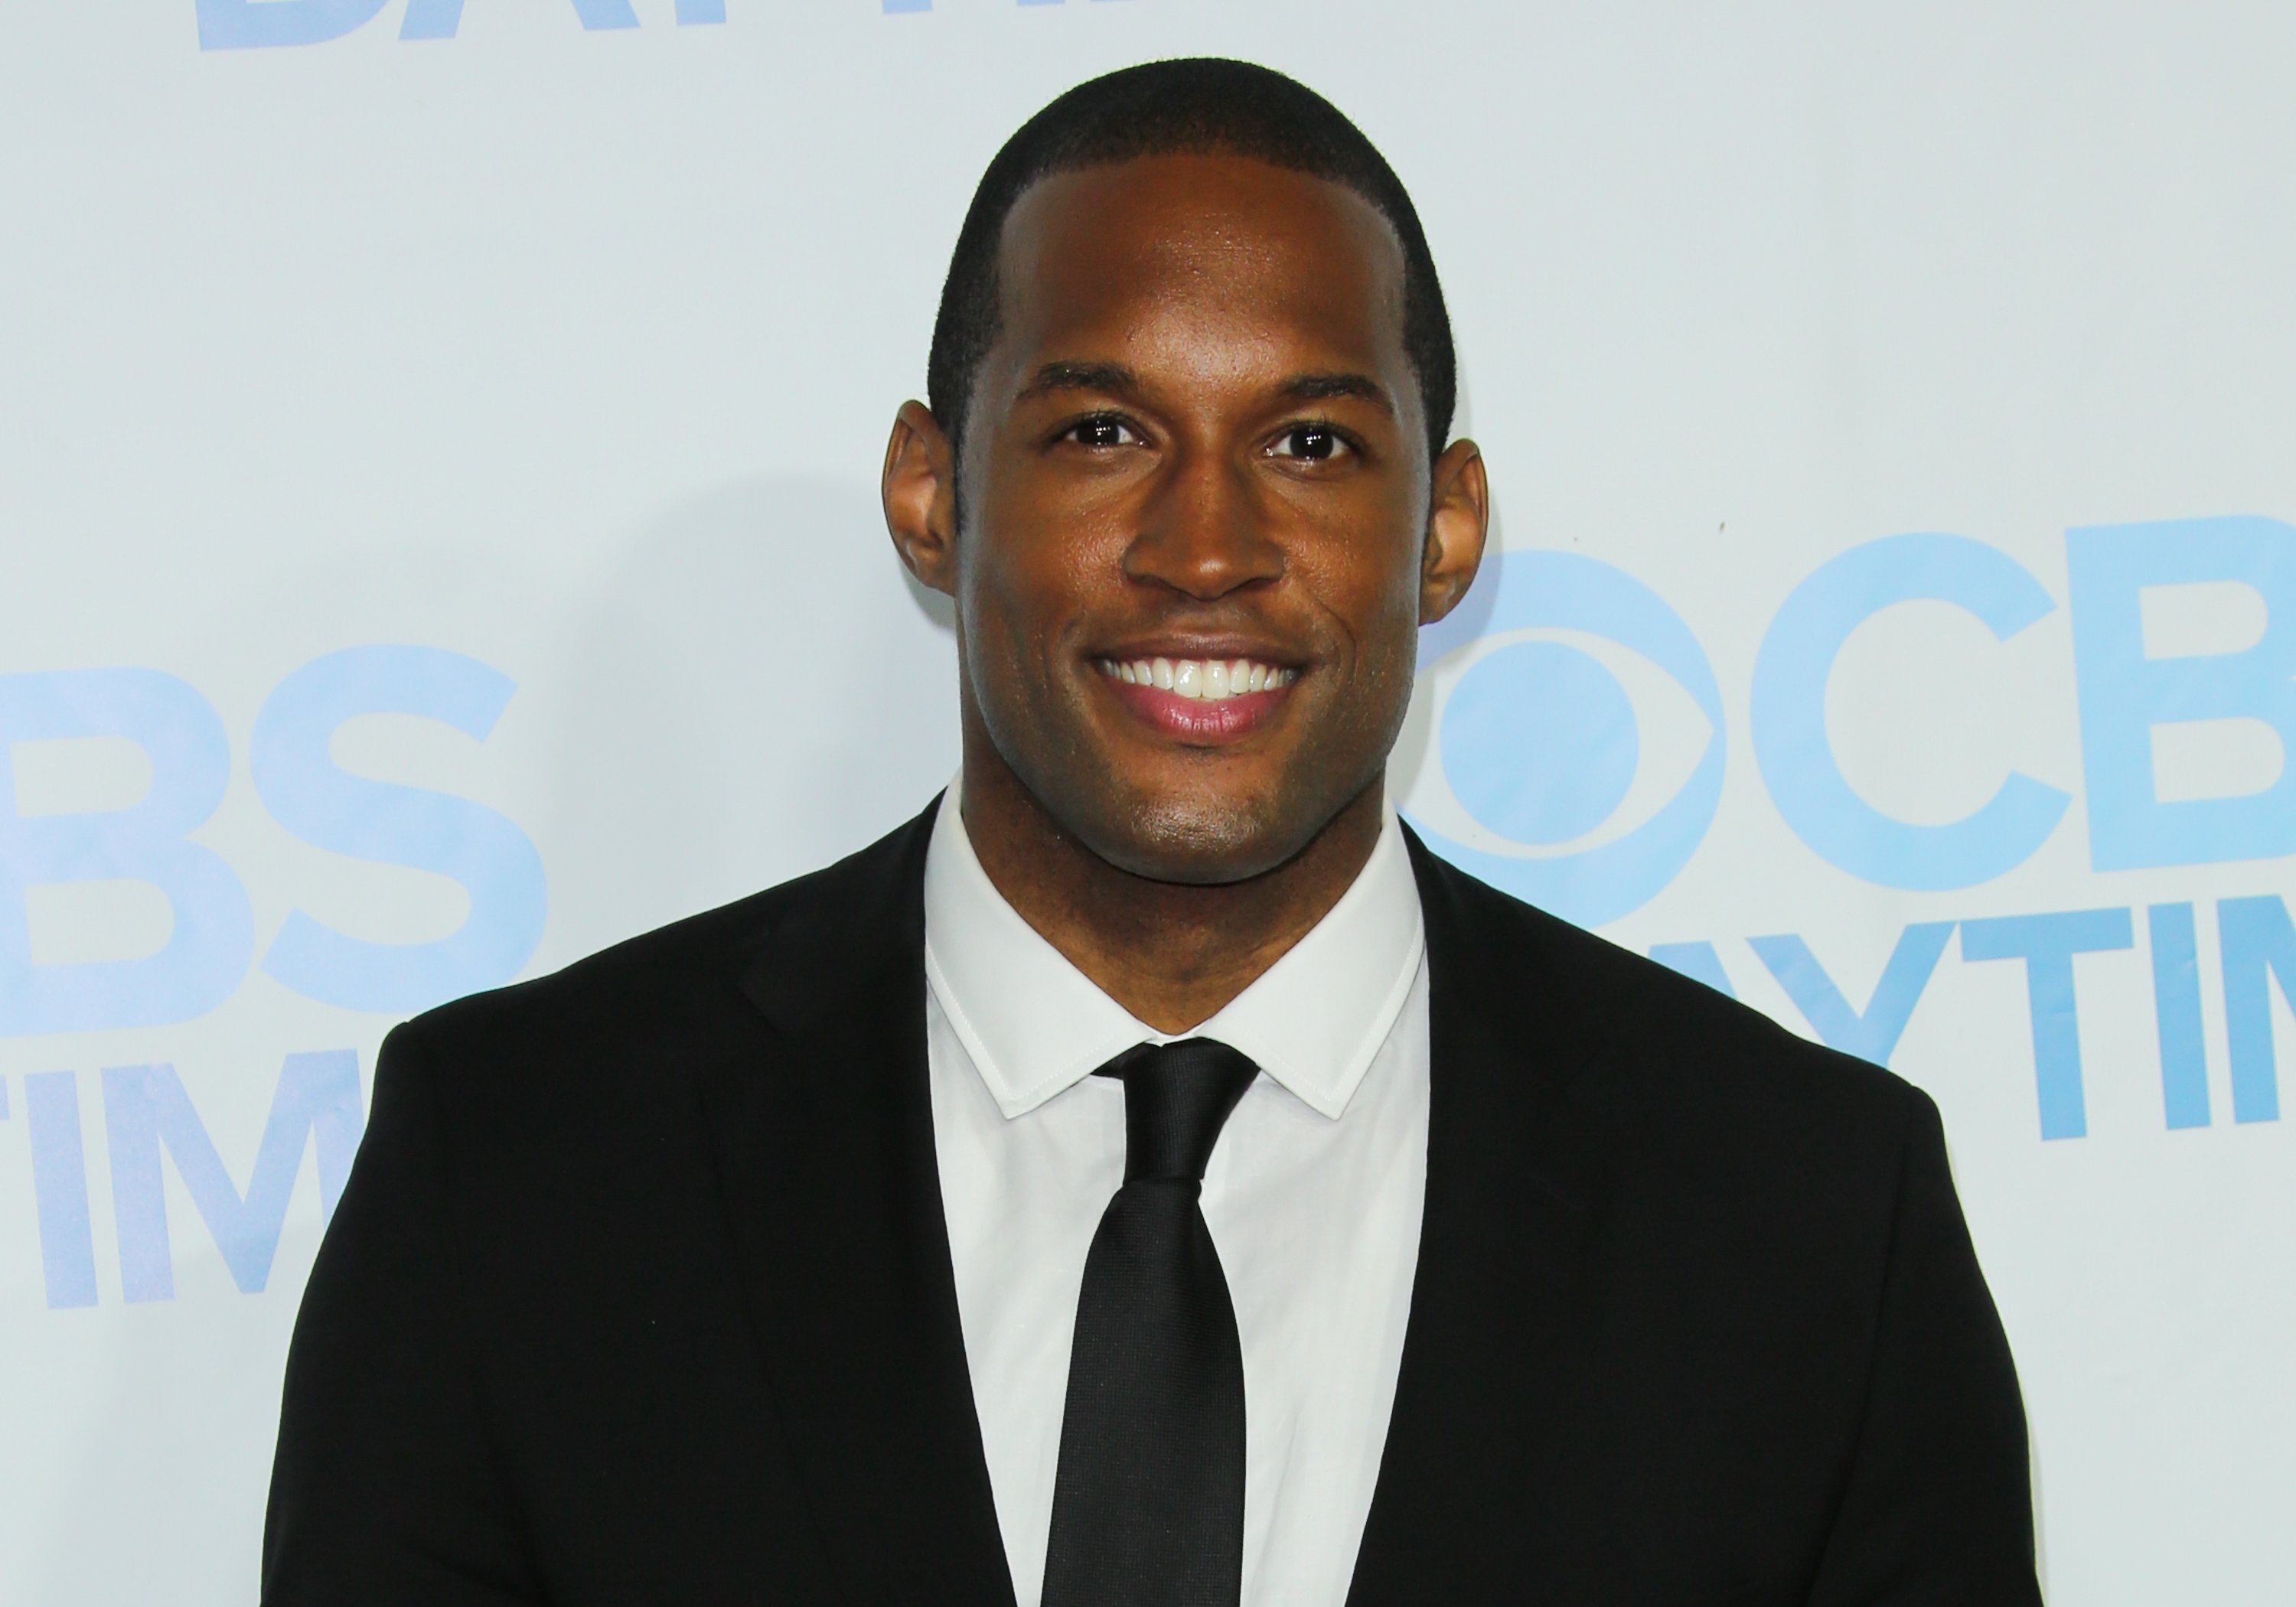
1203, 531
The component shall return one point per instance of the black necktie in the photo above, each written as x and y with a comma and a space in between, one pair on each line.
1148, 1504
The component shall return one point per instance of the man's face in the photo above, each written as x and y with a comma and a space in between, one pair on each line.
1192, 559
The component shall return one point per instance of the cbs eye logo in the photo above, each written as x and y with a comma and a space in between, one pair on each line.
1572, 738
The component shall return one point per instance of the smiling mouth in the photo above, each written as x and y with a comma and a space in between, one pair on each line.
1202, 680
1200, 702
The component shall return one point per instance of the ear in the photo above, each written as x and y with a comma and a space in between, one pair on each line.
1458, 521
920, 492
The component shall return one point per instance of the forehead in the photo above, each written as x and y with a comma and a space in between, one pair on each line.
1225, 250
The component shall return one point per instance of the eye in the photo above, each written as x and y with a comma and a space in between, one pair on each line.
1101, 432
1311, 443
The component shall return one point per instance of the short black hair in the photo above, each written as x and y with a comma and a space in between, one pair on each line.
1201, 105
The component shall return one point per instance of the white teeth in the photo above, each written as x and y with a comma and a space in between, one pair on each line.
1204, 680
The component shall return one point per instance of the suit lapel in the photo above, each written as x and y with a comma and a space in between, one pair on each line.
1487, 1346
824, 1145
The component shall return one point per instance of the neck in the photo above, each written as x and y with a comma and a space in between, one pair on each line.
1171, 953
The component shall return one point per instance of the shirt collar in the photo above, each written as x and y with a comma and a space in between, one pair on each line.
1035, 1025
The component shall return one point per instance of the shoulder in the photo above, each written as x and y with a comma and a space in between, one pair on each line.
663, 999
632, 986
1659, 1051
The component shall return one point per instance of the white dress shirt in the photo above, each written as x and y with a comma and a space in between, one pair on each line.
1313, 1196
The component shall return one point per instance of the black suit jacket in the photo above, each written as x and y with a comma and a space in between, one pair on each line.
640, 1292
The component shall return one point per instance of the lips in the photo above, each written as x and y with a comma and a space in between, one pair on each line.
1200, 701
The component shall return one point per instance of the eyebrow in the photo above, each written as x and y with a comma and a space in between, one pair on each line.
1324, 387
1114, 378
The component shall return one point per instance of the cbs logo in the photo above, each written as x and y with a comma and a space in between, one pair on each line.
1572, 744
1576, 738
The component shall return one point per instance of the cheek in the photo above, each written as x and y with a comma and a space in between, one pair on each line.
1019, 597
1033, 562
1368, 583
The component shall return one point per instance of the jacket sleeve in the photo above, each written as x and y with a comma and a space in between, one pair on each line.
384, 1492
1938, 1507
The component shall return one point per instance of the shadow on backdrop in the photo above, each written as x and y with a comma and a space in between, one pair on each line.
758, 689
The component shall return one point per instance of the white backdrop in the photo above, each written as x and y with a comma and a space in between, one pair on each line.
436, 493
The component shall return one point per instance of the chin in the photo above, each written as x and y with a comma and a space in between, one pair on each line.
1202, 841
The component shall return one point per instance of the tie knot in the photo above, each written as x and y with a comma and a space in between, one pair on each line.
1177, 1098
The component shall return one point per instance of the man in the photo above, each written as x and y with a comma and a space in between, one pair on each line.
1411, 1247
